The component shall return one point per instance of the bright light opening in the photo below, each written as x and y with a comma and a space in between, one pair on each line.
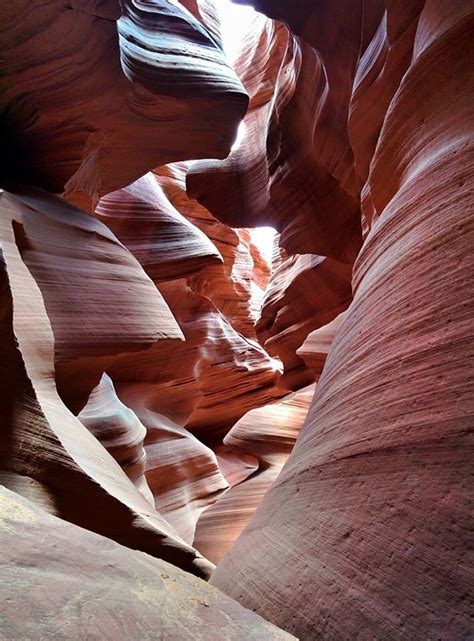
264, 239
236, 21
240, 135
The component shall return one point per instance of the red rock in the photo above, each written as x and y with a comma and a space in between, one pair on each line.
144, 84
98, 589
305, 292
271, 428
269, 433
118, 429
360, 119
86, 276
235, 466
365, 532
293, 169
43, 441
317, 345
183, 474
230, 286
207, 382
162, 240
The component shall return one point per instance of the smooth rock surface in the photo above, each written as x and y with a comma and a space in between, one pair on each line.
366, 532
132, 85
100, 590
72, 472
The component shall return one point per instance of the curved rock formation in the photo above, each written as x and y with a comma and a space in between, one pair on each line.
289, 313
160, 238
269, 434
205, 383
147, 347
293, 169
230, 286
85, 276
183, 474
44, 441
316, 347
118, 429
145, 82
365, 532
98, 589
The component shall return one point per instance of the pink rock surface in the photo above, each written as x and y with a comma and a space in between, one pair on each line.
295, 137
162, 240
305, 292
99, 300
144, 84
98, 589
269, 434
183, 474
230, 286
206, 382
317, 345
118, 429
365, 533
44, 441
147, 347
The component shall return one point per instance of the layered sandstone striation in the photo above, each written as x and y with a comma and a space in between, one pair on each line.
43, 440
267, 436
365, 532
302, 422
131, 97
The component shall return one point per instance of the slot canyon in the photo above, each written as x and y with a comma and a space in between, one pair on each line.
236, 310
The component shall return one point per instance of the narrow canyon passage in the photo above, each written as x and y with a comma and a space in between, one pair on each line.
236, 357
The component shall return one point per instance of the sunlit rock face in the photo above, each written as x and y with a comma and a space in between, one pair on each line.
364, 534
301, 420
268, 434
94, 95
73, 474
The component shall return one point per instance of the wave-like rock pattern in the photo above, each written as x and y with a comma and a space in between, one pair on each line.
183, 474
232, 287
364, 534
119, 430
290, 171
166, 244
43, 441
208, 381
305, 293
317, 345
99, 300
269, 434
145, 346
132, 85
294, 171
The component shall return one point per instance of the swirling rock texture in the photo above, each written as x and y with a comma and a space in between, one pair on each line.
288, 315
85, 276
118, 429
42, 440
365, 533
293, 171
305, 423
162, 240
266, 435
89, 112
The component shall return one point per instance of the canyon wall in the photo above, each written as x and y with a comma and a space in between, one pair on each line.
365, 533
303, 422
